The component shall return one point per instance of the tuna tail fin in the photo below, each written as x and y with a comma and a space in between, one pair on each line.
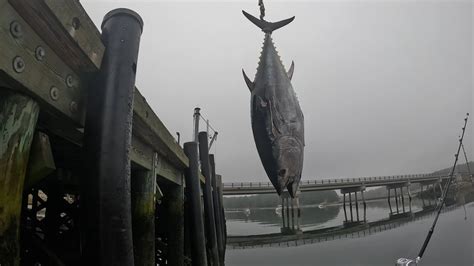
267, 27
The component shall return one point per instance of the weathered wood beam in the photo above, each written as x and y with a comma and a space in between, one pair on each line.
67, 29
18, 116
41, 162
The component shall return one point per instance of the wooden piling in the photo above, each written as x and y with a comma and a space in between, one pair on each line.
209, 216
388, 199
396, 200
350, 206
18, 117
143, 216
403, 199
193, 196
344, 204
175, 215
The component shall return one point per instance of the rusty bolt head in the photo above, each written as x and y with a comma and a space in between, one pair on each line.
15, 29
40, 53
18, 64
69, 81
73, 107
54, 93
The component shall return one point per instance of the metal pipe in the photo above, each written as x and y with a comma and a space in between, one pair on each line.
193, 196
209, 217
217, 210
107, 141
18, 117
196, 116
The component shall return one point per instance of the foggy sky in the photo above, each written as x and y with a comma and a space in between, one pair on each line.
383, 85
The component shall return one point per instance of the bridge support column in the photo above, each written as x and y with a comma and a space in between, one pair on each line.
403, 199
396, 200
357, 205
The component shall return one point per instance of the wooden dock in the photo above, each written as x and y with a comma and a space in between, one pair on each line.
89, 174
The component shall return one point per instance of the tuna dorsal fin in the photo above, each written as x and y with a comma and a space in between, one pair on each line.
267, 27
250, 84
290, 71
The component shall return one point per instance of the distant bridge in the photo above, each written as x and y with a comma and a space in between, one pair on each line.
348, 184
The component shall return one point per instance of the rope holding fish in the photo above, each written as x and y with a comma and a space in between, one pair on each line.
262, 9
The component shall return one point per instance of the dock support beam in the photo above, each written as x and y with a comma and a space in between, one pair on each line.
193, 195
174, 204
143, 216
18, 117
106, 207
209, 216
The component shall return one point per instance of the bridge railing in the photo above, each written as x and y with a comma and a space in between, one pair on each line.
332, 181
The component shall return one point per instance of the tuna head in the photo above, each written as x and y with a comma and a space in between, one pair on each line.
277, 119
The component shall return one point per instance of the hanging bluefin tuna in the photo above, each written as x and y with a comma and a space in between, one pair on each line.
277, 119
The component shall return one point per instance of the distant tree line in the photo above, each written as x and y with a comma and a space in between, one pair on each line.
273, 200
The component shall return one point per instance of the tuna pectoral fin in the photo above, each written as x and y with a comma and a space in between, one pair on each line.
267, 27
250, 84
290, 71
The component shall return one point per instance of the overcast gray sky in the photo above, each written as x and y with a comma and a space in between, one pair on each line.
384, 85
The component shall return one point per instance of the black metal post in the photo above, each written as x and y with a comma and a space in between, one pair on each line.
209, 217
193, 190
106, 188
217, 210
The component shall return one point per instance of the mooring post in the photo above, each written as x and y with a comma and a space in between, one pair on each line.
344, 204
196, 117
107, 139
350, 205
175, 213
143, 216
193, 196
210, 219
409, 197
18, 116
217, 210
357, 205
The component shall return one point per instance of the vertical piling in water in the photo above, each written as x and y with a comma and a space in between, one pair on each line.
365, 205
282, 210
209, 217
287, 211
357, 205
292, 213
143, 216
350, 206
403, 199
409, 197
344, 204
18, 117
193, 196
396, 200
298, 214
106, 199
217, 210
174, 205
388, 199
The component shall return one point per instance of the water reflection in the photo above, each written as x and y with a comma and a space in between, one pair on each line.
328, 222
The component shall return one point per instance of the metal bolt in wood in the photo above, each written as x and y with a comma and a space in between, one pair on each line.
40, 53
54, 93
16, 29
69, 81
18, 64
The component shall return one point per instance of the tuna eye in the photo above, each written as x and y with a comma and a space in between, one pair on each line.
282, 172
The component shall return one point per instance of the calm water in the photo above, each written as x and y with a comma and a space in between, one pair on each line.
381, 243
